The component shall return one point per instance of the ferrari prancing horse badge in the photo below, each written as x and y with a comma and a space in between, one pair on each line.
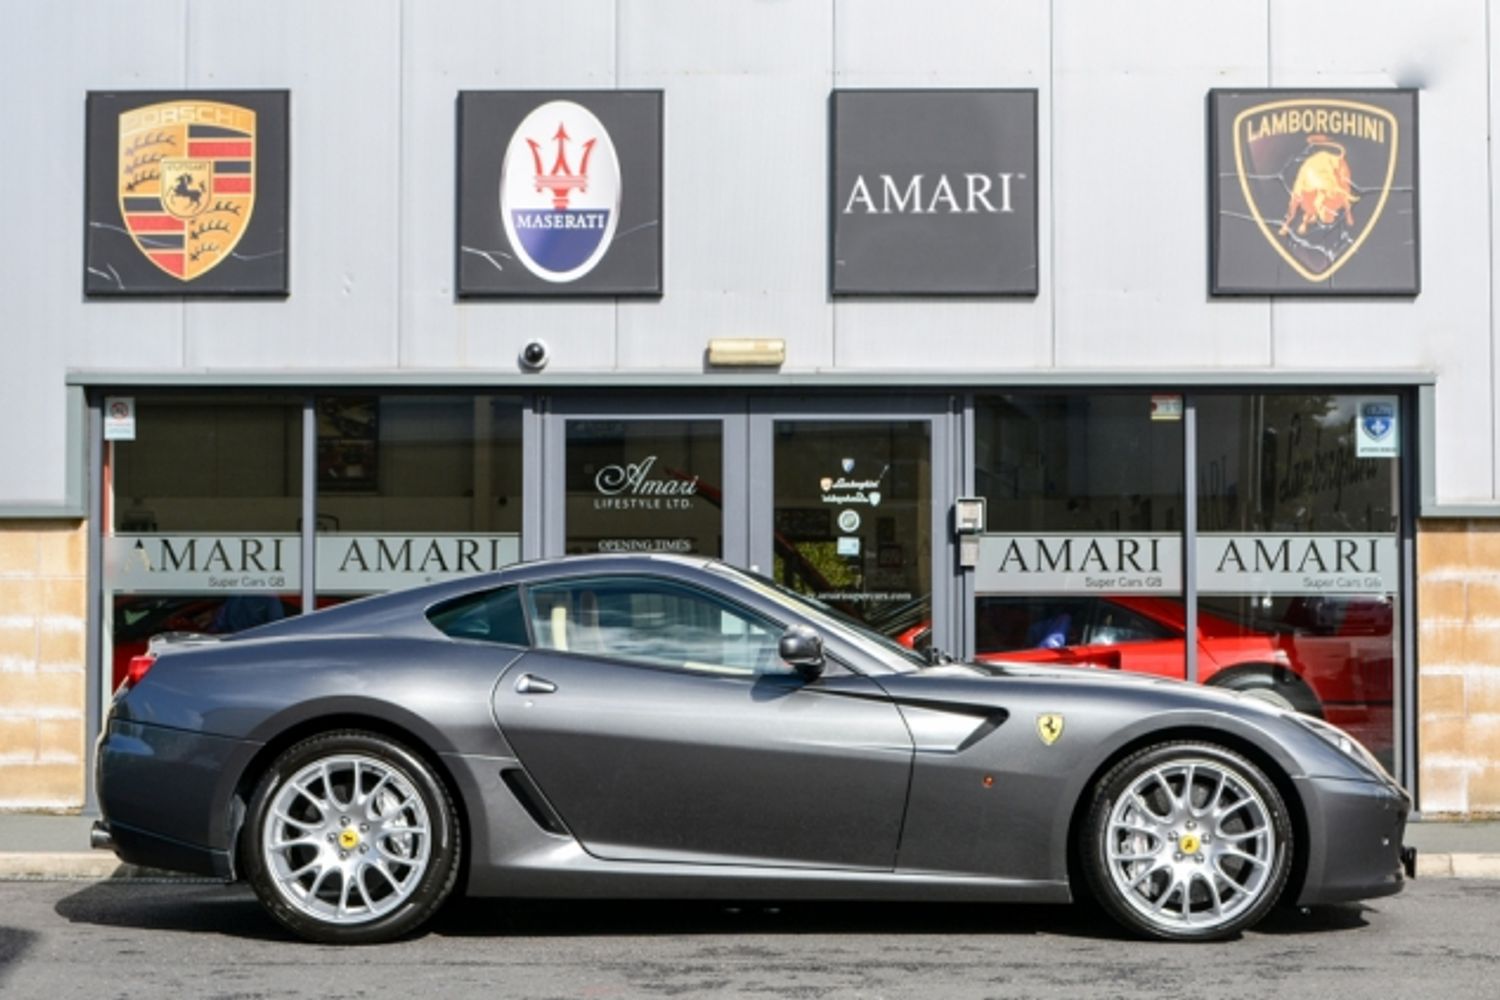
1049, 727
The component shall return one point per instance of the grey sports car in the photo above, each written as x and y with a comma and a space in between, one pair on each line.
652, 726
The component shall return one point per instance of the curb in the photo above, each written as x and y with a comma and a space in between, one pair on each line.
89, 866
101, 865
1458, 866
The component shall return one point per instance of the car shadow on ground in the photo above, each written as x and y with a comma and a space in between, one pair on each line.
233, 911
198, 907
573, 918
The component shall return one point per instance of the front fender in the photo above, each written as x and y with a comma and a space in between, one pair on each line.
1265, 738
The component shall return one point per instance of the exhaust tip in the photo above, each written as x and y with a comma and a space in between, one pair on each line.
1409, 861
100, 838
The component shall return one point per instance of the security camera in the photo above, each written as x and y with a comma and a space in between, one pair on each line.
535, 355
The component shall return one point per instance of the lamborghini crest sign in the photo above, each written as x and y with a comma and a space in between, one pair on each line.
1314, 192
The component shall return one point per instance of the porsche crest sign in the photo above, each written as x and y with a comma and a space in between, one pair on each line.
187, 193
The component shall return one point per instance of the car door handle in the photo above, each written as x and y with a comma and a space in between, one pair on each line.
527, 684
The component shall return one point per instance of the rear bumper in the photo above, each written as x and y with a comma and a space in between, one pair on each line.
166, 796
1355, 848
150, 850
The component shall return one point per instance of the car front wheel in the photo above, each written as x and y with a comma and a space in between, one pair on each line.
1187, 841
352, 839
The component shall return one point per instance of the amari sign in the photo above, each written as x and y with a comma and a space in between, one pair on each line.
1297, 564
1152, 564
1066, 564
934, 192
1314, 192
346, 564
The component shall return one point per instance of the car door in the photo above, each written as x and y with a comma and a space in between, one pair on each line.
660, 723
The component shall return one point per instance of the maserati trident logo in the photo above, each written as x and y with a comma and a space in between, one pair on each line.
187, 182
1316, 173
560, 191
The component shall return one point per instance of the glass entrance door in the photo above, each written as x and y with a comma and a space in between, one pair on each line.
843, 499
849, 505
634, 475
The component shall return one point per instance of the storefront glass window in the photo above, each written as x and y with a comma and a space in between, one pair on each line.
1299, 518
645, 486
1296, 557
202, 513
415, 488
1082, 559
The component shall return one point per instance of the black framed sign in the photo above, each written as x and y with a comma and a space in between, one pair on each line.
186, 193
933, 192
1313, 192
559, 193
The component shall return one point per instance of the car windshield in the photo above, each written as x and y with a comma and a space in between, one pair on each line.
851, 630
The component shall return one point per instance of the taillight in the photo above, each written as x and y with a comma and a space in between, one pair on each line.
139, 665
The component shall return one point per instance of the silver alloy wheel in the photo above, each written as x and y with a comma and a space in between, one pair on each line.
1190, 845
347, 839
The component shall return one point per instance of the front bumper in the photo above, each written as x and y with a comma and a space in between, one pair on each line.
1355, 832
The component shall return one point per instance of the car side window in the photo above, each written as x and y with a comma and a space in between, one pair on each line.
1029, 623
490, 616
1115, 624
655, 622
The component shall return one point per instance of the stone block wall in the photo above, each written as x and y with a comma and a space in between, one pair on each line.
1458, 667
43, 567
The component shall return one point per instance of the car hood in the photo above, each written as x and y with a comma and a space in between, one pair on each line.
970, 678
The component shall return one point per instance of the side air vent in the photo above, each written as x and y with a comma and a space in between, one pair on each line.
530, 797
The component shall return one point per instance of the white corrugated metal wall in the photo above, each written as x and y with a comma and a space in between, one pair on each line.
1122, 195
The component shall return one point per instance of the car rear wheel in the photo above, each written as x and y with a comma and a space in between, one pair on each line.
1187, 841
352, 839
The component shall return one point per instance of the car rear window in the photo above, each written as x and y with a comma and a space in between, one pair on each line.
489, 616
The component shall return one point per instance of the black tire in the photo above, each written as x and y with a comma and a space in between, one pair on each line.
1194, 872
382, 859
1272, 684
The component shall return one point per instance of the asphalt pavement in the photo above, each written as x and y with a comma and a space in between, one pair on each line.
40, 845
129, 939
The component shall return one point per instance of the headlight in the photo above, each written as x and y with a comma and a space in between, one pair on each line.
1345, 744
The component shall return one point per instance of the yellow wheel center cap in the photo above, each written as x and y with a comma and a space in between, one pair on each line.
349, 838
1189, 843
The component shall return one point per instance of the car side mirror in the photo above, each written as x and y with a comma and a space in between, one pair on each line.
801, 647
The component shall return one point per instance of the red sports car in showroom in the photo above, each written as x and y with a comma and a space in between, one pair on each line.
1330, 657
138, 617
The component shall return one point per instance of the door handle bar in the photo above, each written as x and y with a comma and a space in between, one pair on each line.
527, 684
